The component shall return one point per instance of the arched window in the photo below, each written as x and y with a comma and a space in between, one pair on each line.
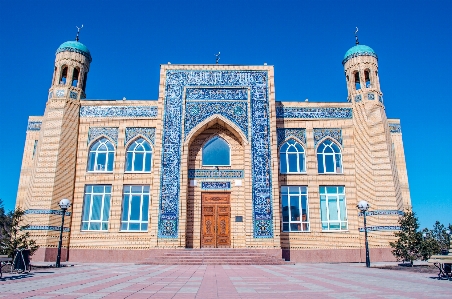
75, 75
216, 152
101, 156
63, 76
329, 157
367, 78
291, 157
357, 81
139, 156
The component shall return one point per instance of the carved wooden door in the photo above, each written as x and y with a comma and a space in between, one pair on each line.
216, 215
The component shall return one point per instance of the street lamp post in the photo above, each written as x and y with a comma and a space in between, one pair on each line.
363, 206
64, 205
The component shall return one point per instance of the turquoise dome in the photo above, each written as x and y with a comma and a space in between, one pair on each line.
75, 46
359, 50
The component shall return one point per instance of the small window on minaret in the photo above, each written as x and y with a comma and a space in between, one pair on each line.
367, 78
357, 82
63, 75
75, 74
84, 81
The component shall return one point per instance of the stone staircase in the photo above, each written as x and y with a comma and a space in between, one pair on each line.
214, 256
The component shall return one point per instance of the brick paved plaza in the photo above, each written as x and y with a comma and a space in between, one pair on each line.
222, 281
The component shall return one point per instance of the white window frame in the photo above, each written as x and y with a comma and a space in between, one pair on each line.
329, 154
128, 192
327, 210
101, 167
134, 156
297, 153
304, 225
202, 152
102, 220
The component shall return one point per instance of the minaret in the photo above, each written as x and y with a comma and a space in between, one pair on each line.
71, 70
361, 72
52, 170
377, 179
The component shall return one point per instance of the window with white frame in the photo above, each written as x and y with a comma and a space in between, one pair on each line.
96, 207
139, 156
101, 156
333, 208
329, 157
292, 157
216, 152
135, 208
294, 201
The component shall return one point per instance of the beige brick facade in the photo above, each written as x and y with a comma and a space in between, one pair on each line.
57, 146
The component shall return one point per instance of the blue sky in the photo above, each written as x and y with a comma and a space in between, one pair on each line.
304, 40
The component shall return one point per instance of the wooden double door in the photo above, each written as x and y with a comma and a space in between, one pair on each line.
216, 220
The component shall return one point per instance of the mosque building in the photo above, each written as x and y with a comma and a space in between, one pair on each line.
215, 162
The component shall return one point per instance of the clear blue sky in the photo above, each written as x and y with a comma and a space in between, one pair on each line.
304, 40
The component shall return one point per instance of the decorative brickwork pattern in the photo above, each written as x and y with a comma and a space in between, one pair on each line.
395, 128
380, 228
51, 212
47, 227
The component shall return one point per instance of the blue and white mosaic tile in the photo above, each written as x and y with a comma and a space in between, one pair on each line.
46, 227
215, 174
176, 81
73, 95
380, 228
119, 111
95, 132
335, 134
215, 185
370, 96
216, 94
131, 133
358, 98
382, 212
283, 134
318, 113
60, 93
395, 128
34, 125
380, 98
196, 112
51, 212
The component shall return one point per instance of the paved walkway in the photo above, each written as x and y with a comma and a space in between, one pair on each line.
286, 281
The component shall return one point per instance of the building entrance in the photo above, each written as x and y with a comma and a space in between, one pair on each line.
216, 217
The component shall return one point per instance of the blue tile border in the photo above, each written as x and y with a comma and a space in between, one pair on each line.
381, 228
209, 94
52, 212
46, 227
119, 111
215, 174
215, 185
34, 125
316, 113
169, 198
395, 128
382, 212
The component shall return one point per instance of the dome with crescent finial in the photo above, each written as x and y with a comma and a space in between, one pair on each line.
75, 46
359, 50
